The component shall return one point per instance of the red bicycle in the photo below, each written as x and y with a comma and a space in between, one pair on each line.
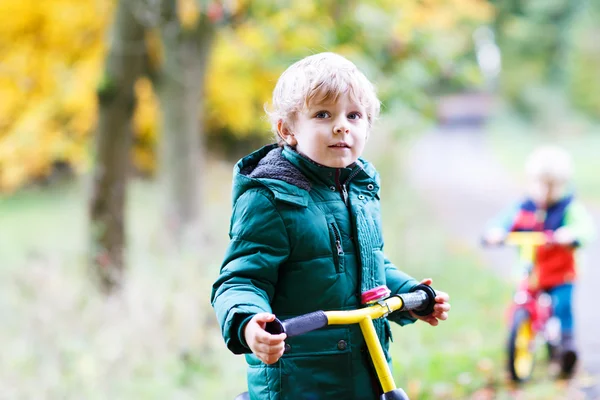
532, 323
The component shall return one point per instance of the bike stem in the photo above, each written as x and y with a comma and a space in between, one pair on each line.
381, 366
377, 356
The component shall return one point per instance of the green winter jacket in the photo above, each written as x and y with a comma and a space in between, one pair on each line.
296, 247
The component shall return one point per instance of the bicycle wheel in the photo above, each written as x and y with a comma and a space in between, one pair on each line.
521, 357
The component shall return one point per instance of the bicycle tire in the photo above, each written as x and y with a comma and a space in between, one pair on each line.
521, 355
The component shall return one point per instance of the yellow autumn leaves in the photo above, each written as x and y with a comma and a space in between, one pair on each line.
51, 58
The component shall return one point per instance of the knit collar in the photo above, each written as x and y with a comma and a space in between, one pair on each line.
320, 173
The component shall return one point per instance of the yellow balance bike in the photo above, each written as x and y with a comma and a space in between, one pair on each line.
421, 301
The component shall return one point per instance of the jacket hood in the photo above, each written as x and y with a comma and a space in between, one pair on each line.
268, 168
271, 168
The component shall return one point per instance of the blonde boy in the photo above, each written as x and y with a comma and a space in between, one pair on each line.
306, 236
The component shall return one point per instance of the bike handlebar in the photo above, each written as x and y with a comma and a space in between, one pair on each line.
528, 238
420, 300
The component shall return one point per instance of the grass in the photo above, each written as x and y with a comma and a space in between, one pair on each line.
158, 338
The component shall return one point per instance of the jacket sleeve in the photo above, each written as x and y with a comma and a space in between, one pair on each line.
506, 219
399, 282
580, 222
246, 284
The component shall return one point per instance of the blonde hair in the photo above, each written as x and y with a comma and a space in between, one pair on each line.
320, 77
549, 162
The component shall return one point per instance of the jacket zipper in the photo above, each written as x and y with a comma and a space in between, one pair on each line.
338, 240
345, 194
343, 186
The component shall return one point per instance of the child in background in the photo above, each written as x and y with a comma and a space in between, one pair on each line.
306, 236
551, 206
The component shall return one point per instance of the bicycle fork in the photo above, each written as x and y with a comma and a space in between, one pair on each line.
390, 392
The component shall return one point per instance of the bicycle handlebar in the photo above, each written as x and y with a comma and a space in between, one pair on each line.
522, 238
420, 300
528, 238
298, 325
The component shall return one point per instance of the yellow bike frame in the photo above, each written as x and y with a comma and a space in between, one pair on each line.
364, 317
421, 300
528, 242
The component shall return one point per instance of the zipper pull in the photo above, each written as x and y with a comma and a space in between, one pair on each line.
338, 245
345, 194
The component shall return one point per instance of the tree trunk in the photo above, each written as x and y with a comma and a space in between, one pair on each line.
180, 87
124, 64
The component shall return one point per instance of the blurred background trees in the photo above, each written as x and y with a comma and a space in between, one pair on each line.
197, 74
167, 72
53, 54
124, 65
53, 64
550, 53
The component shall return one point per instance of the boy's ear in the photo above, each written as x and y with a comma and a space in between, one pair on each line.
285, 133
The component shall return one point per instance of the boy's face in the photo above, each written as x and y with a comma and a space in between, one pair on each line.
545, 192
332, 134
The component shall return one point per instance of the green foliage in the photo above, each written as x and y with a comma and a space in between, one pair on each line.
584, 84
549, 44
106, 89
53, 54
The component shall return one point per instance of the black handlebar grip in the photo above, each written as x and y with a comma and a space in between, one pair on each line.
274, 327
420, 300
298, 325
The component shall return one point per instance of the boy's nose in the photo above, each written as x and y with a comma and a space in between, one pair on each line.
339, 129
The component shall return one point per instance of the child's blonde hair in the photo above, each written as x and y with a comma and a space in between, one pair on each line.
320, 77
549, 162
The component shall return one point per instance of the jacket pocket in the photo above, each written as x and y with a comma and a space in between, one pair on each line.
317, 377
337, 247
318, 365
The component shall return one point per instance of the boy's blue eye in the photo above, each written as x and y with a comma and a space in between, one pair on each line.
354, 115
322, 114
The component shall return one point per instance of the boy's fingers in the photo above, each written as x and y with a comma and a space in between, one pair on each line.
272, 350
442, 307
267, 350
267, 338
270, 359
442, 297
442, 315
275, 339
269, 354
427, 281
262, 318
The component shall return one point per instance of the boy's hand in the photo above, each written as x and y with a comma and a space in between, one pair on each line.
268, 348
440, 310
564, 235
494, 236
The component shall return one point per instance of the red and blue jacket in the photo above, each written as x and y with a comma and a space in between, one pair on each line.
554, 264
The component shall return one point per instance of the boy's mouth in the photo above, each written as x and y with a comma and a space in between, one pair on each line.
340, 145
